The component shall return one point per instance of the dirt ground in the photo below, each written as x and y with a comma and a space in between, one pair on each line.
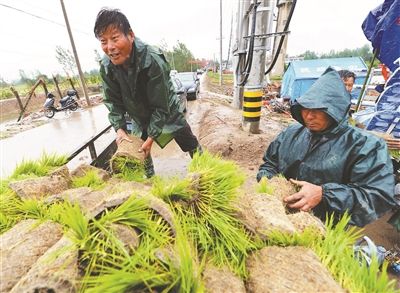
218, 127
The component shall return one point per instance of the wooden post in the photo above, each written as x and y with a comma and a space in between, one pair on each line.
57, 86
21, 107
72, 85
31, 92
46, 91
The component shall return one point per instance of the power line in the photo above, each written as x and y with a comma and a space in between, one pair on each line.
40, 17
47, 11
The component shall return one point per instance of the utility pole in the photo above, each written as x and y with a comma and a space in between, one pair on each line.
229, 45
220, 42
239, 51
78, 64
253, 89
250, 73
284, 7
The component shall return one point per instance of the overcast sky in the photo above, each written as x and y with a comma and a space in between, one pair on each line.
28, 42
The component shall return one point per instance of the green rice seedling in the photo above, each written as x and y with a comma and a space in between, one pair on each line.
189, 268
395, 154
9, 212
90, 179
72, 218
336, 253
104, 255
129, 169
33, 209
135, 213
263, 187
28, 169
37, 168
307, 238
171, 189
140, 271
205, 207
144, 271
53, 160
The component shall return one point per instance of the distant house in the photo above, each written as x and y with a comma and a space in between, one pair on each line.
300, 75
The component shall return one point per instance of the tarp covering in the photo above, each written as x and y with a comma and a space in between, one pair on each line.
389, 99
382, 28
387, 122
301, 75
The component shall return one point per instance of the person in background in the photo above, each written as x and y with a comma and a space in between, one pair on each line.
136, 81
338, 168
348, 78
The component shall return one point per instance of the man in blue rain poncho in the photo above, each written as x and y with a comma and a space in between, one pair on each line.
338, 167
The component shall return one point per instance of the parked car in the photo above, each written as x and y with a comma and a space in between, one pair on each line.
191, 82
181, 92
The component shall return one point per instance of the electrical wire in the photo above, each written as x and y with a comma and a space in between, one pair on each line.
40, 17
249, 60
282, 38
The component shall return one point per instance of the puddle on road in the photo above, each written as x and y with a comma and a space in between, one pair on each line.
170, 161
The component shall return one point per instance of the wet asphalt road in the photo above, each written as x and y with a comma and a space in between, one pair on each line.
63, 134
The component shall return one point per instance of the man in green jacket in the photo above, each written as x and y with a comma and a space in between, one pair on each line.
338, 167
136, 82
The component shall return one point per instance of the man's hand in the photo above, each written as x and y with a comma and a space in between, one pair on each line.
122, 135
307, 198
146, 147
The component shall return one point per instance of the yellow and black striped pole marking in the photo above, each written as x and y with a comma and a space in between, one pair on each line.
252, 102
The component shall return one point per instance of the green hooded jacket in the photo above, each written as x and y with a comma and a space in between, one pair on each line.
144, 91
352, 166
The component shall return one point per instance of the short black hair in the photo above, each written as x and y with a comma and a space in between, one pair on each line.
111, 17
344, 74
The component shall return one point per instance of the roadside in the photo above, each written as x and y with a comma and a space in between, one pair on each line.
34, 116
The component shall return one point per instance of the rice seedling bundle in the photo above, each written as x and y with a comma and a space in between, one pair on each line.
128, 245
204, 202
127, 160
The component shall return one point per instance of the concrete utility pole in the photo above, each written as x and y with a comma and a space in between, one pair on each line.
239, 51
253, 89
220, 42
81, 76
284, 7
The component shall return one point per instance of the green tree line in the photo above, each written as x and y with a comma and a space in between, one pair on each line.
365, 52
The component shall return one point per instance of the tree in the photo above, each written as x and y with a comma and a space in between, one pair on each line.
3, 83
24, 78
365, 52
182, 57
97, 56
309, 55
67, 60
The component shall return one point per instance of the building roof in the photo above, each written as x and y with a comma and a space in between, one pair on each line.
305, 69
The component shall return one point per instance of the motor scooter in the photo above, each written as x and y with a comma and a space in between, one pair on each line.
66, 103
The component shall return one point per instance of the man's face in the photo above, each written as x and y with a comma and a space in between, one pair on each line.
316, 120
116, 45
348, 83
